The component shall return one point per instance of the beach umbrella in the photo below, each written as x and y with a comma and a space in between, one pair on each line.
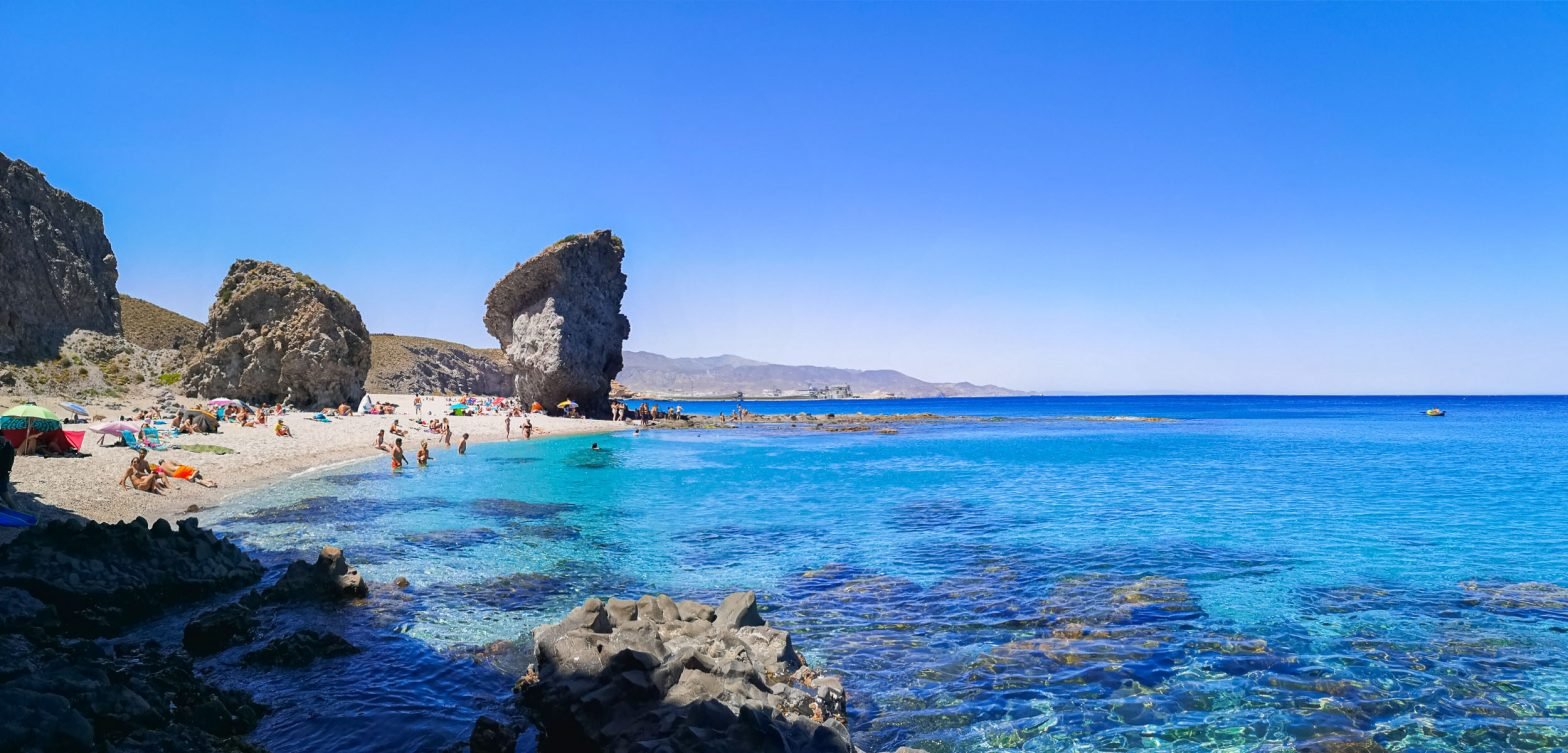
566, 404
221, 401
29, 410
28, 416
114, 427
74, 408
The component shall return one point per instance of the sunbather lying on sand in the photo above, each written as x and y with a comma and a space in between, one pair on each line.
175, 470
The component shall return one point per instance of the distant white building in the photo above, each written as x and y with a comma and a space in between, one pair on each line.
830, 392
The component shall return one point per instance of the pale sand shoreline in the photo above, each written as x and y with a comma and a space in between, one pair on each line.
88, 486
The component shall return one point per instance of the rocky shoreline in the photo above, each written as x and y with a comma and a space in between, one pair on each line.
882, 422
614, 675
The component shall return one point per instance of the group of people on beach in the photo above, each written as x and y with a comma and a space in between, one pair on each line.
644, 413
441, 427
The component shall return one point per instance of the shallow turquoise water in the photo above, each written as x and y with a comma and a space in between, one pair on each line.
1264, 573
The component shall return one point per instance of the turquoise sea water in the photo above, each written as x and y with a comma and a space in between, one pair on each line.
1260, 574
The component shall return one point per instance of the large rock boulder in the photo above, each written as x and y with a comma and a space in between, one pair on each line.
656, 674
275, 335
59, 272
558, 317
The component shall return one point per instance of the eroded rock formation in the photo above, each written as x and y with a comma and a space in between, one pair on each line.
654, 674
275, 335
558, 317
57, 271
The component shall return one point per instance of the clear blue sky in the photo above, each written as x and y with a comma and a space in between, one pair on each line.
1108, 198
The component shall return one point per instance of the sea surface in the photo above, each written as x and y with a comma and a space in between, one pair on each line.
1256, 574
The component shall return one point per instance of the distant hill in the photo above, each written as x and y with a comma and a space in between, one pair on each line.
155, 327
400, 364
714, 376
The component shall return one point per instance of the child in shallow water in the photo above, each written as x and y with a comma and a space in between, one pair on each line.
462, 447
423, 456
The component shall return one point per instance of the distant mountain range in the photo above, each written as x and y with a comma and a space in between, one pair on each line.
723, 376
401, 364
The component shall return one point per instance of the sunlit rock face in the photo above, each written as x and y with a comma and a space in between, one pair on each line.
57, 271
558, 318
277, 336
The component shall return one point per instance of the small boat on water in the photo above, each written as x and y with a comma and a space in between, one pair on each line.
1436, 412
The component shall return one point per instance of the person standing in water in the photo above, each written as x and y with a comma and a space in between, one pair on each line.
423, 456
528, 428
398, 460
446, 431
462, 447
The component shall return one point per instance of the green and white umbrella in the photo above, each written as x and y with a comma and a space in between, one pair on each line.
30, 416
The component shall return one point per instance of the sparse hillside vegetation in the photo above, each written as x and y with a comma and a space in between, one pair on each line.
156, 328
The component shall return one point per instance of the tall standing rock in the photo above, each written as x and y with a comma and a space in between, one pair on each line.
558, 317
57, 271
275, 335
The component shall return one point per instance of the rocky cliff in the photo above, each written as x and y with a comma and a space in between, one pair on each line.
275, 335
421, 365
57, 271
558, 317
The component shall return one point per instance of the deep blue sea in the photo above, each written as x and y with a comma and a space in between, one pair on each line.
1262, 573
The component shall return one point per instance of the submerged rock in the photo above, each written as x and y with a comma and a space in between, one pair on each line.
300, 649
492, 736
276, 336
220, 628
655, 674
558, 318
100, 577
55, 257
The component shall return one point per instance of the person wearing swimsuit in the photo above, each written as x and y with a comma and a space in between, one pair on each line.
397, 454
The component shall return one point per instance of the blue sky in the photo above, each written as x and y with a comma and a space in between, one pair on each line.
1294, 198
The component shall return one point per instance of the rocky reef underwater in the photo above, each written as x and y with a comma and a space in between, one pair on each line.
81, 671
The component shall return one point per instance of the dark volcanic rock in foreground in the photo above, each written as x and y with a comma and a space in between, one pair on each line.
558, 317
57, 270
60, 694
653, 675
300, 649
274, 335
101, 576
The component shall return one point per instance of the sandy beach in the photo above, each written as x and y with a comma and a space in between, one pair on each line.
88, 485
